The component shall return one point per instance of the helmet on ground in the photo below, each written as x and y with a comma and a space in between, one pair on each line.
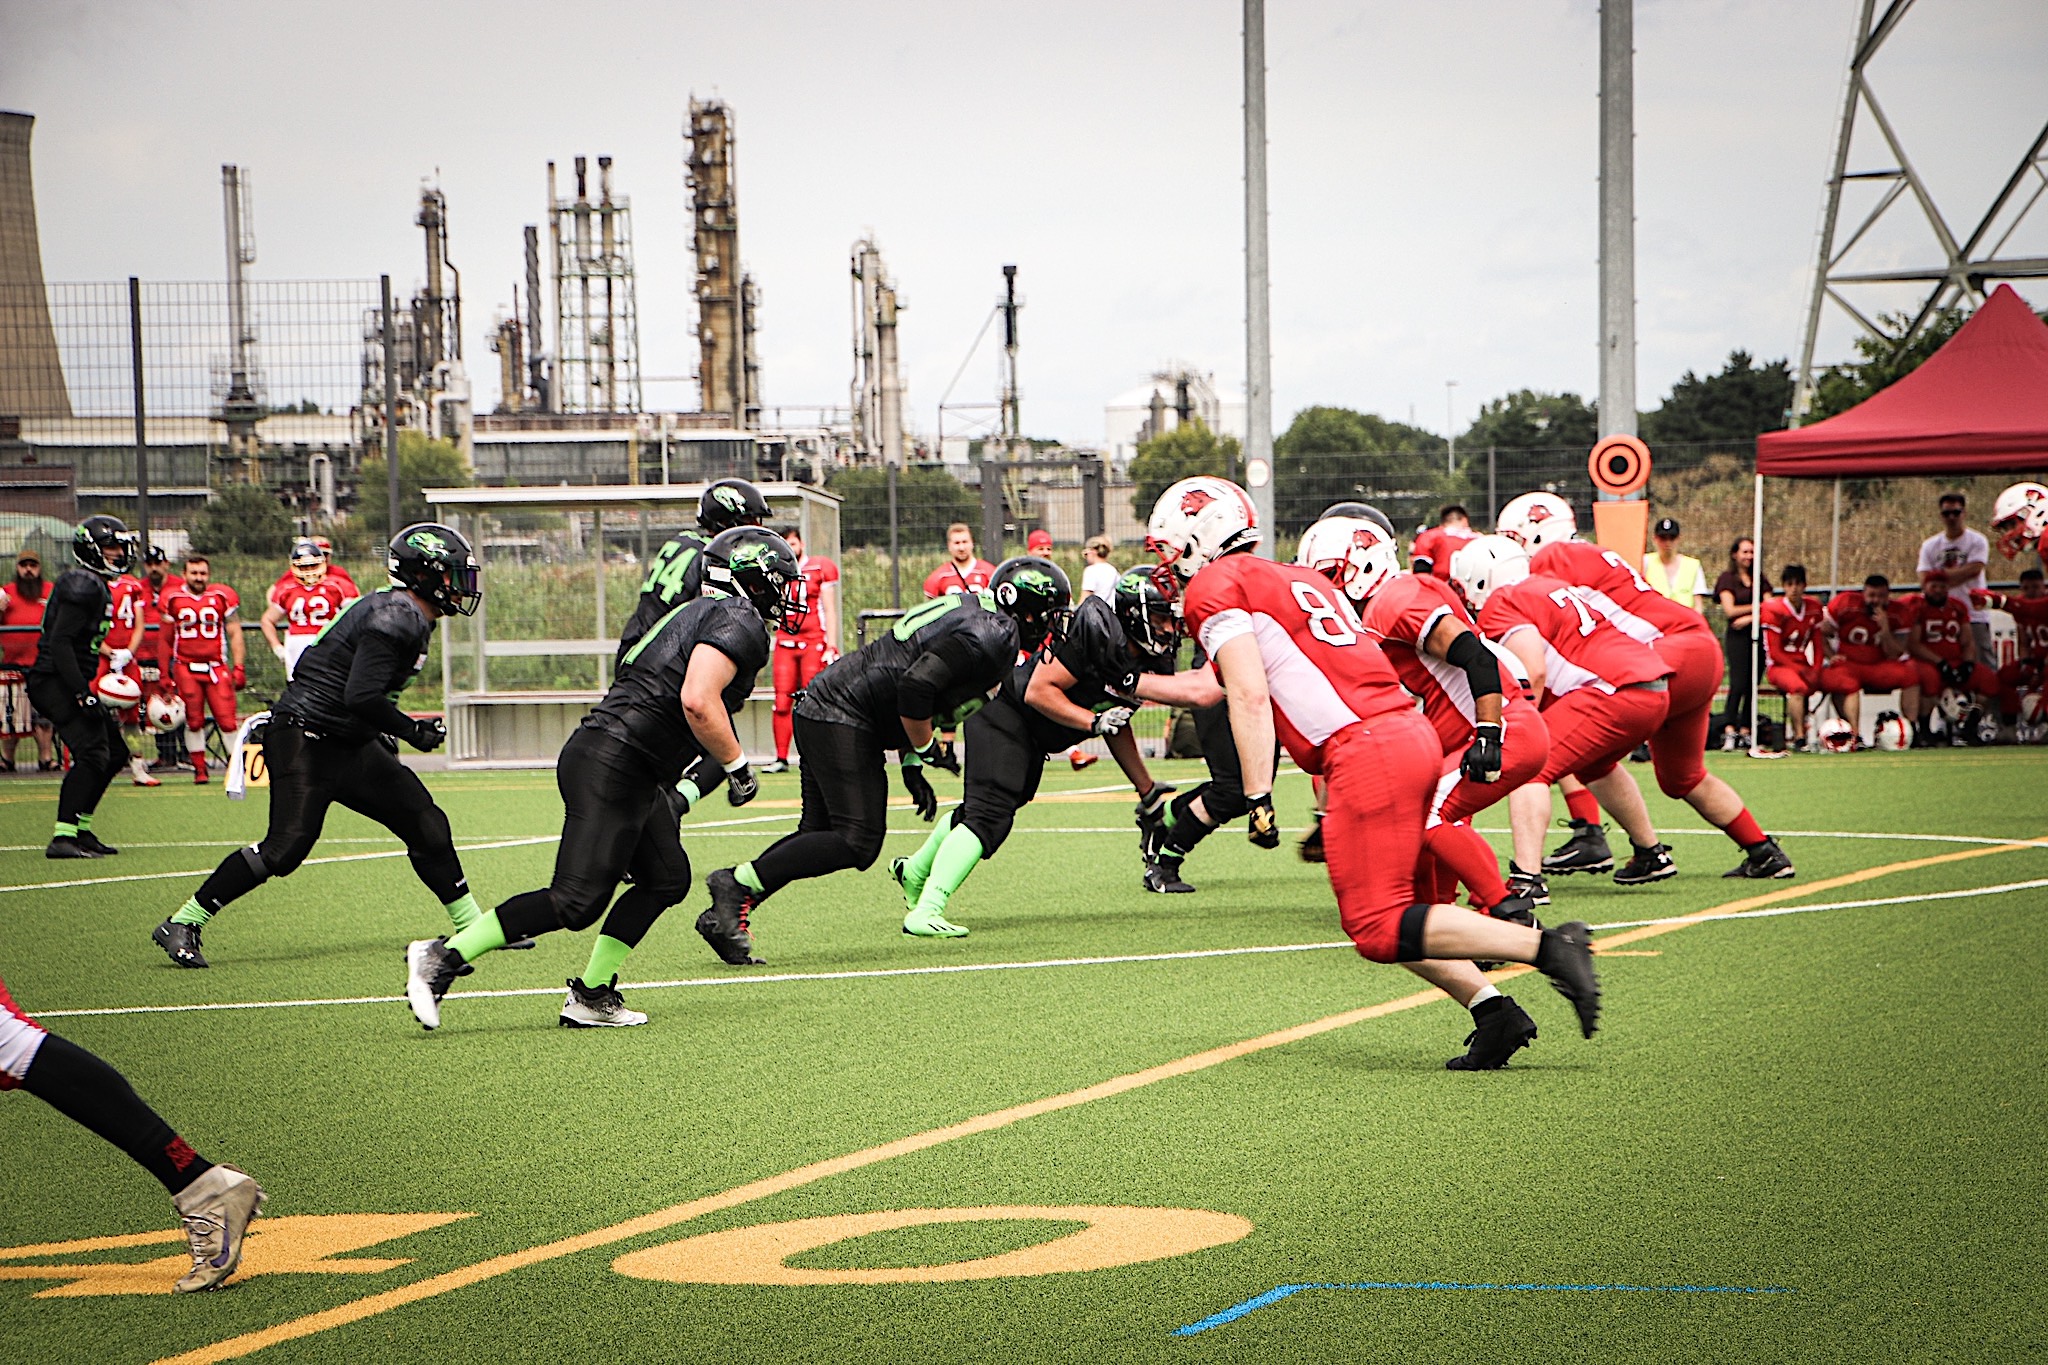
1351, 552
1365, 510
1985, 731
1536, 520
1148, 613
1035, 594
1487, 562
1838, 736
118, 690
436, 562
755, 563
2032, 727
1892, 732
165, 712
2019, 518
1199, 520
729, 503
1949, 708
309, 566
103, 544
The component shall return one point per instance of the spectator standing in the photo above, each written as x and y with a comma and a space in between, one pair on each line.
1678, 577
1959, 554
963, 571
1431, 550
1736, 591
1098, 576
803, 648
1039, 542
21, 604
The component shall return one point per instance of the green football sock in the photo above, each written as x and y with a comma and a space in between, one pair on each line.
745, 875
482, 935
65, 830
192, 913
84, 821
607, 955
956, 858
917, 869
464, 912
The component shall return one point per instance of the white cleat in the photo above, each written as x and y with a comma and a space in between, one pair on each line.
597, 1007
430, 965
217, 1208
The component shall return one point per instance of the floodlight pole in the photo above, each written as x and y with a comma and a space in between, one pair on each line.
1258, 443
141, 437
390, 407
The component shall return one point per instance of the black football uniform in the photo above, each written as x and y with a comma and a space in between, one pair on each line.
676, 576
75, 621
615, 768
940, 663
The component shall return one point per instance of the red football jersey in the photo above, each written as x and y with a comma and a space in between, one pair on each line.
2030, 614
1399, 618
18, 647
1580, 647
817, 571
1856, 631
1617, 590
1323, 672
950, 577
1788, 634
308, 610
1436, 545
132, 605
1943, 628
200, 621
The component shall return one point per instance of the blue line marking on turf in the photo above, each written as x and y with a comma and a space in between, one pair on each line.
1288, 1291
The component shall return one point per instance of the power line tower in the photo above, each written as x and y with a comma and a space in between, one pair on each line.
597, 323
728, 372
1957, 269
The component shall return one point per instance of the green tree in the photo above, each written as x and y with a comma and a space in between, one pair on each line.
1331, 455
1184, 452
928, 500
422, 463
1884, 362
1733, 406
1528, 420
242, 519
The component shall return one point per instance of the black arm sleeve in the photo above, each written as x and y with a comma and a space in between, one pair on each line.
380, 667
950, 658
1482, 670
66, 637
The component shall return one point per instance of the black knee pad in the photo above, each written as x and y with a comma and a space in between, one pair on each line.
432, 832
280, 859
991, 824
1224, 799
865, 845
253, 856
580, 913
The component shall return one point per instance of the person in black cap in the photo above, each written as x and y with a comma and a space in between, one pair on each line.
1678, 577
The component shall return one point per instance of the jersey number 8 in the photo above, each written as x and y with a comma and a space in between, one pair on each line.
1325, 618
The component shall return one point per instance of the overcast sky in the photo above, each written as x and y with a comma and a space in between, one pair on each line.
1433, 171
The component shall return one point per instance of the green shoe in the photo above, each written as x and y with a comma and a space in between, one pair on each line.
932, 926
899, 868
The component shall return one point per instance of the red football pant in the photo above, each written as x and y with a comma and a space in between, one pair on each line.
1454, 853
1795, 680
203, 692
1591, 731
1381, 774
796, 663
1882, 676
1983, 682
1524, 745
1678, 748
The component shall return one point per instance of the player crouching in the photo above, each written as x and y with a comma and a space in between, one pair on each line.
1293, 660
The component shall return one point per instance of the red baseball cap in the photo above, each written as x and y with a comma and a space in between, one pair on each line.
1041, 539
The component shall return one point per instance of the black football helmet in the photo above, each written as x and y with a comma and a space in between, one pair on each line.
757, 564
1148, 614
1365, 510
1035, 594
104, 545
436, 562
729, 503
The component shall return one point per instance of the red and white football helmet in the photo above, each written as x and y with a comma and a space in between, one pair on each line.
2033, 720
1535, 520
2020, 518
1351, 552
1199, 520
166, 712
1892, 733
1838, 736
1487, 562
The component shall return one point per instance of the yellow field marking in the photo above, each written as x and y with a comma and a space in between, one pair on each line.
1626, 952
234, 1348
1114, 1236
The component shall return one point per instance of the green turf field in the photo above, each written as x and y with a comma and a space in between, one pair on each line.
1846, 1109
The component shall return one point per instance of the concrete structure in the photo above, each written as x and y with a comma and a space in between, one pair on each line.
728, 373
31, 376
1175, 393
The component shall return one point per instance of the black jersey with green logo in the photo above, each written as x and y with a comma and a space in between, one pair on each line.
645, 705
75, 620
970, 646
1097, 652
346, 684
675, 576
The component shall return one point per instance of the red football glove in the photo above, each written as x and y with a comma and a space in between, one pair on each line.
240, 677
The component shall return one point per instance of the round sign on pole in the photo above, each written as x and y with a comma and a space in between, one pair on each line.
1620, 466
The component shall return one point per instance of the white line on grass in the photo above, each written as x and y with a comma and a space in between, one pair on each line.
768, 978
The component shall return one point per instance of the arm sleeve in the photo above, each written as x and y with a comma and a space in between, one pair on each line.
1481, 671
951, 657
72, 622
380, 667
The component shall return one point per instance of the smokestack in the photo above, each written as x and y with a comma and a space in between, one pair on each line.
31, 377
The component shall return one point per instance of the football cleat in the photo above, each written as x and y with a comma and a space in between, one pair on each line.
1163, 876
597, 1007
67, 846
1517, 910
138, 773
1081, 758
1532, 886
1585, 851
430, 966
217, 1209
199, 777
1765, 862
932, 925
93, 844
1311, 846
1651, 864
780, 765
724, 925
1494, 1039
181, 943
899, 871
1567, 954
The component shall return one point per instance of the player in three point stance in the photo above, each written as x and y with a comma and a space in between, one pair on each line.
1292, 662
668, 718
216, 1203
332, 737
937, 666
60, 682
675, 576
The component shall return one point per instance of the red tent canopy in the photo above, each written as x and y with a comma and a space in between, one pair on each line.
1979, 405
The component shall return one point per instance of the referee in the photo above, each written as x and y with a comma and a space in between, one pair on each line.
60, 682
332, 737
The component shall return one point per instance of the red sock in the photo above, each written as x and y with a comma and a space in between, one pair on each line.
1458, 847
785, 726
1744, 829
1582, 806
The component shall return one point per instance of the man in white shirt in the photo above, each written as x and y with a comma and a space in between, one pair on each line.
1099, 577
1960, 554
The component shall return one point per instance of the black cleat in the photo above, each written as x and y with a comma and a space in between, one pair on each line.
1163, 876
1531, 886
724, 925
1494, 1039
1517, 910
1641, 753
67, 846
1585, 851
1311, 846
514, 944
181, 943
1764, 863
1652, 864
93, 844
1566, 957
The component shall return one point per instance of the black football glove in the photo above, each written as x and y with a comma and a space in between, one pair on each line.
741, 786
1956, 674
939, 754
428, 735
1482, 757
921, 794
90, 701
1264, 826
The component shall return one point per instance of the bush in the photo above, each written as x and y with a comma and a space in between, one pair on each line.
927, 502
1183, 453
242, 519
422, 463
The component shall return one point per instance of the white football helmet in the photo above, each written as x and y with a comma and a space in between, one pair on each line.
1838, 736
1197, 521
118, 690
1351, 552
1892, 732
166, 712
1487, 562
1535, 520
2020, 517
2033, 720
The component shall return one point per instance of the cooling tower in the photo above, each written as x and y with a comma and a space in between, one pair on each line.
31, 379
